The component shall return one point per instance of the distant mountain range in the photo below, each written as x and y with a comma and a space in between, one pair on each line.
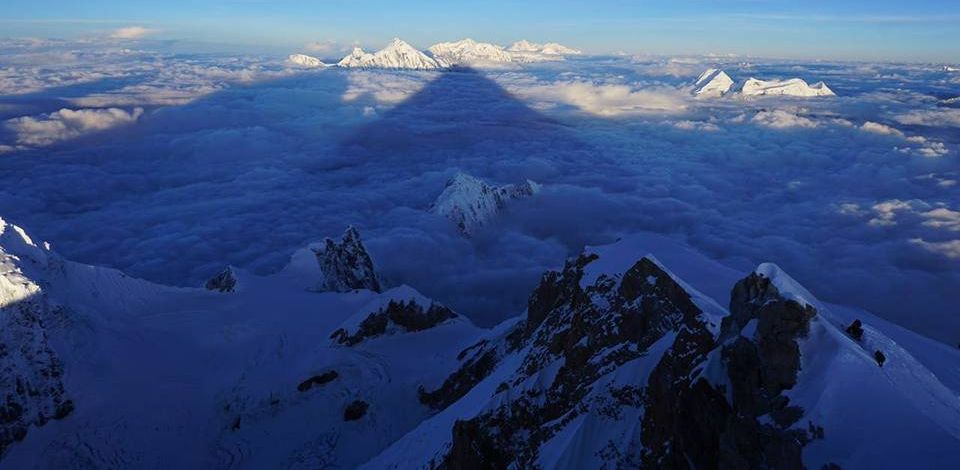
467, 52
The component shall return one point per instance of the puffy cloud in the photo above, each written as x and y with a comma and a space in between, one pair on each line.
197, 177
949, 249
68, 124
878, 128
131, 32
945, 117
385, 88
605, 99
696, 126
780, 119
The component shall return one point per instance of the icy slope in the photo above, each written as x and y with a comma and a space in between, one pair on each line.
791, 87
188, 378
396, 55
713, 83
470, 202
306, 61
470, 52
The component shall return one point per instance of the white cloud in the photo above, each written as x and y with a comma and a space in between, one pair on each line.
949, 248
942, 218
384, 87
696, 126
68, 124
886, 212
605, 100
131, 32
877, 128
946, 117
780, 119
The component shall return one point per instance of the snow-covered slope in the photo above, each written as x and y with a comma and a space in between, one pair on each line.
470, 202
622, 359
306, 61
116, 372
468, 52
713, 83
396, 55
791, 87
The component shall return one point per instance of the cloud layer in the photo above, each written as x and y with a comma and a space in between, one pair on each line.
242, 160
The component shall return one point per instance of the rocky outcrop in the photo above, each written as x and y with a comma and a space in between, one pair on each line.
575, 334
470, 203
408, 316
742, 420
318, 380
713, 396
225, 281
346, 266
355, 410
31, 373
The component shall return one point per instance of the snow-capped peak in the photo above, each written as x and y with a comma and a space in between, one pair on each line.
550, 48
713, 82
470, 202
304, 60
791, 87
396, 55
470, 52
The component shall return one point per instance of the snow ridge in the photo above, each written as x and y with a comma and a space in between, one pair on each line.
306, 61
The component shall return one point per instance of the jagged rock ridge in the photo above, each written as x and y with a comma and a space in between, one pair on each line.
346, 266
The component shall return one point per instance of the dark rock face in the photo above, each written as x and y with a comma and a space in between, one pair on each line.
855, 330
318, 380
695, 423
346, 266
225, 281
31, 374
690, 418
410, 316
355, 410
591, 330
879, 357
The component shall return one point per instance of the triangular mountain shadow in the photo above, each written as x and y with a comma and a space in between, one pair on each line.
461, 113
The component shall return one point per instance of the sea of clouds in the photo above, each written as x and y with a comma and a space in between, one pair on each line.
171, 165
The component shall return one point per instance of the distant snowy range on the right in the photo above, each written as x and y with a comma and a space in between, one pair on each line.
466, 255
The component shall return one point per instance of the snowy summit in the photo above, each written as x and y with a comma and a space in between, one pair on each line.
396, 55
470, 52
713, 82
791, 87
306, 61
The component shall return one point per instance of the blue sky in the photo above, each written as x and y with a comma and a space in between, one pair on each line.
920, 30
